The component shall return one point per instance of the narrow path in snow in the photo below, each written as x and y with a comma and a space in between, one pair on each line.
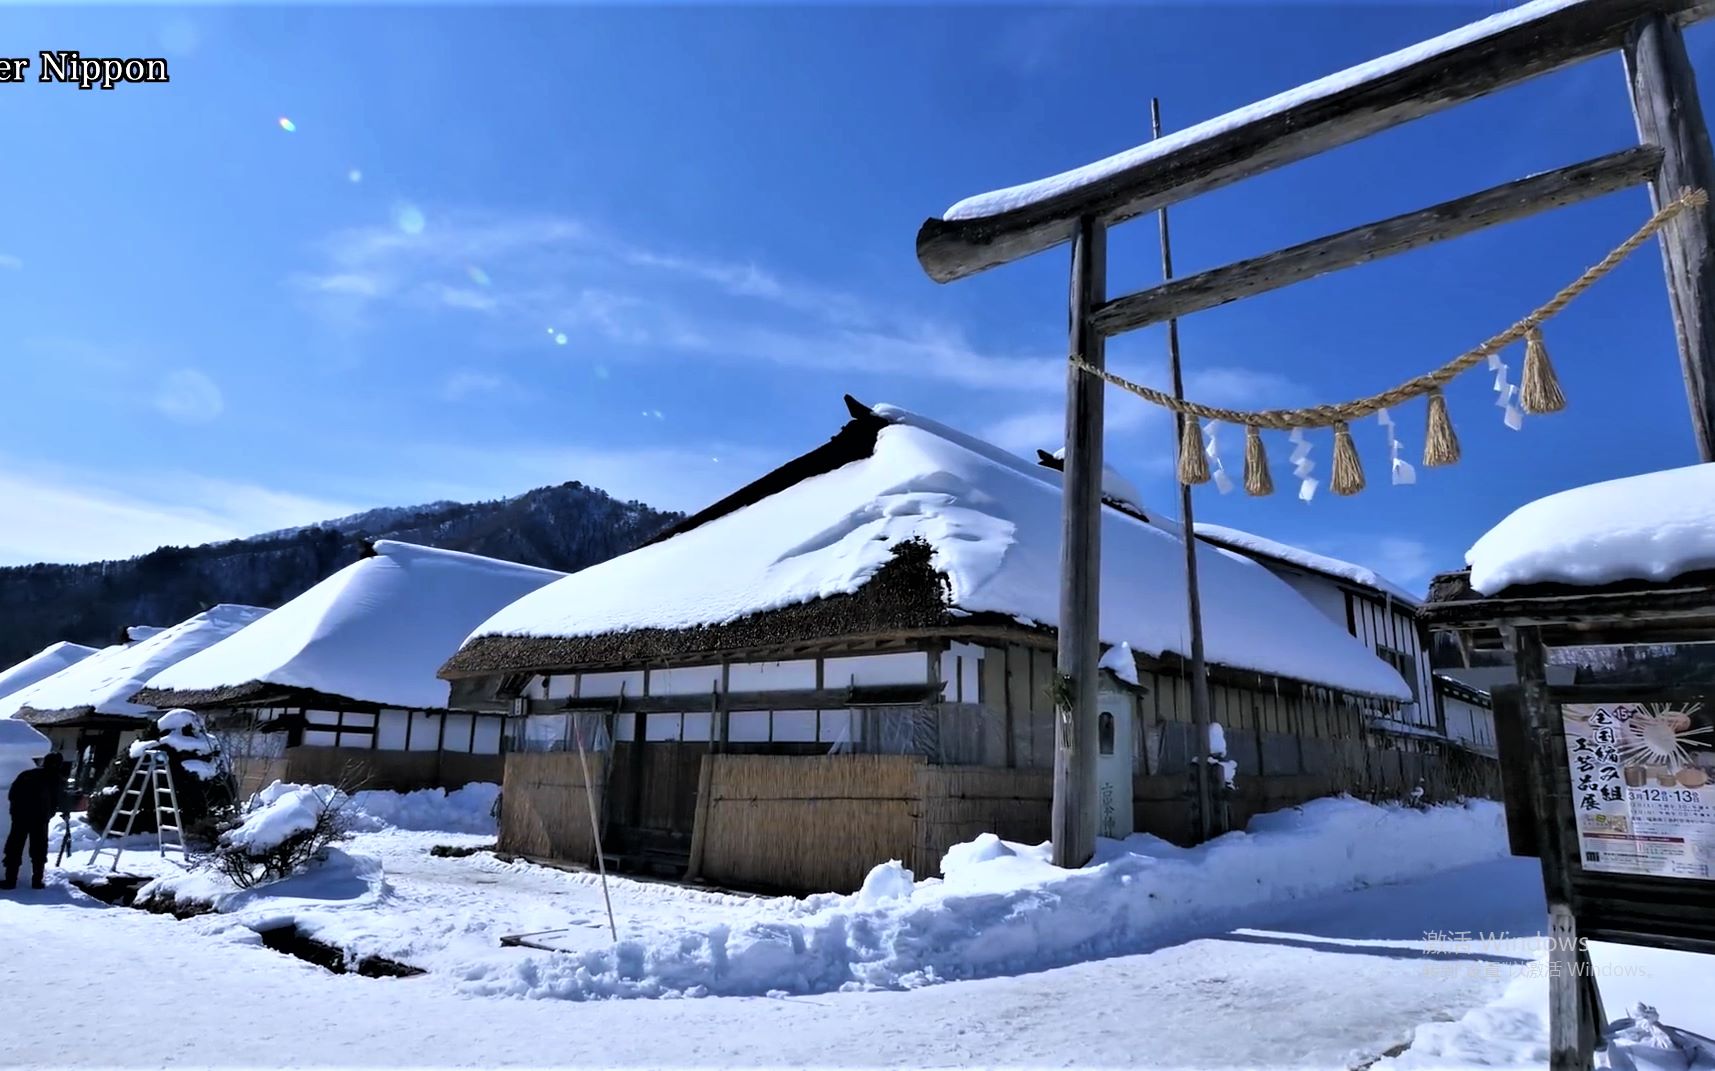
1326, 984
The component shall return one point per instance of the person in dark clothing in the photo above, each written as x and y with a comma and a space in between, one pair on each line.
35, 796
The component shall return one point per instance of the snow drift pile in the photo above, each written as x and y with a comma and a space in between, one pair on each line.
462, 810
282, 809
1004, 909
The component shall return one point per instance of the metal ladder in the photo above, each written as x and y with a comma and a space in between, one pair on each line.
151, 777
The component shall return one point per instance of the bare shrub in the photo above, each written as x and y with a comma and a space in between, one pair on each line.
248, 864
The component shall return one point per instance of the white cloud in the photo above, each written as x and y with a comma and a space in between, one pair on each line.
190, 396
468, 384
553, 272
10, 262
464, 297
68, 515
349, 284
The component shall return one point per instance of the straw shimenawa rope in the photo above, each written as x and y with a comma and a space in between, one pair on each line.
1540, 391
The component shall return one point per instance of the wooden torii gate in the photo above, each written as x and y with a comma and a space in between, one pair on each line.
1467, 63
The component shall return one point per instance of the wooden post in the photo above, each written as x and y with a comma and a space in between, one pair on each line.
1570, 1040
1204, 824
1670, 115
705, 778
1073, 822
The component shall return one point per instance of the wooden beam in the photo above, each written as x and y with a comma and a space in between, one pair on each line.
1072, 824
1375, 241
1670, 115
1472, 61
1569, 1043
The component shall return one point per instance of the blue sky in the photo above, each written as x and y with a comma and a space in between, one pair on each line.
212, 326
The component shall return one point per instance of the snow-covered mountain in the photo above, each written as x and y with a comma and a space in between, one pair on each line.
565, 527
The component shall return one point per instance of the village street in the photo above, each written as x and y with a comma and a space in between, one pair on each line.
1329, 982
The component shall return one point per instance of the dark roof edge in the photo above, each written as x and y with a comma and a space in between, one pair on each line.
853, 442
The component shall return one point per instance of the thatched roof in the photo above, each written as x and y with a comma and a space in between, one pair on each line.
813, 551
907, 593
104, 682
372, 634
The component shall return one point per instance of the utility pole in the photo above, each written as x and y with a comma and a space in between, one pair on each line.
1205, 823
1072, 825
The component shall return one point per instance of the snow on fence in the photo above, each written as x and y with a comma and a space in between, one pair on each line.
397, 771
545, 810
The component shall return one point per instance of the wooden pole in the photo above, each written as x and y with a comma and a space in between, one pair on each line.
1204, 825
1073, 820
595, 827
1669, 115
1570, 1039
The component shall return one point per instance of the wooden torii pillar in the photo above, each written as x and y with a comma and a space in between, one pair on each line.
1467, 63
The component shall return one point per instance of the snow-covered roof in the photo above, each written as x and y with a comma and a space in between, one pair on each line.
992, 521
1115, 485
21, 743
104, 682
1651, 527
44, 663
376, 631
1248, 543
1031, 193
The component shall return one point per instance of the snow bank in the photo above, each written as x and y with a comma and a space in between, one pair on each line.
1005, 909
1512, 1032
463, 810
992, 520
1650, 527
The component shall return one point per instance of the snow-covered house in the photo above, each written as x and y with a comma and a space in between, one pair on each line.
340, 681
44, 663
893, 594
1385, 617
87, 710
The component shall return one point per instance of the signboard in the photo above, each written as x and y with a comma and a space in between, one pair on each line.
1643, 787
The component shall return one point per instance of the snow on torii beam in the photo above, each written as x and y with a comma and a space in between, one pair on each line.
996, 228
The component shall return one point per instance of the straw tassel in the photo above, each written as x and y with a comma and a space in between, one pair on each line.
1539, 392
1258, 482
1440, 444
1193, 465
1348, 476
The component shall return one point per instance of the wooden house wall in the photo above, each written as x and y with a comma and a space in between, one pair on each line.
1384, 625
787, 814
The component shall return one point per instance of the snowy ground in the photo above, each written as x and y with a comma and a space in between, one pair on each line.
1326, 981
